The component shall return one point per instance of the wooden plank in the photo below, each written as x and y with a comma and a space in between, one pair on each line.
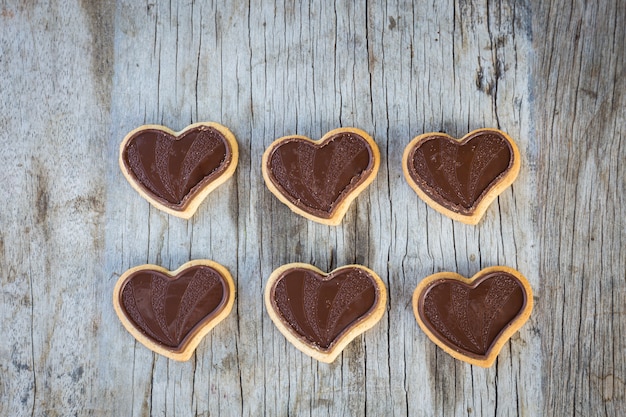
75, 78
582, 191
55, 118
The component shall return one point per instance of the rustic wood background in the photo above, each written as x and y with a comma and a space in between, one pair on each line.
76, 76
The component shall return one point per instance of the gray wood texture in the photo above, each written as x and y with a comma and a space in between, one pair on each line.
75, 77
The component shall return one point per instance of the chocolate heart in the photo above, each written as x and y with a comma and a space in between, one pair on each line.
320, 179
473, 318
171, 169
170, 314
462, 177
318, 310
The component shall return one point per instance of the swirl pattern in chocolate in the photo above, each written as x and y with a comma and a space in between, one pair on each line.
316, 177
320, 309
168, 310
457, 174
173, 169
469, 317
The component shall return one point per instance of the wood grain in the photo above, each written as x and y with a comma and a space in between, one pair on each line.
75, 77
583, 256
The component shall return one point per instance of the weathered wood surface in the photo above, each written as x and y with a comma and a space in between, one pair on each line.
75, 77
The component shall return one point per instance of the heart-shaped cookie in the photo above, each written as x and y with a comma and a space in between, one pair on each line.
321, 313
170, 312
319, 179
472, 319
175, 171
460, 178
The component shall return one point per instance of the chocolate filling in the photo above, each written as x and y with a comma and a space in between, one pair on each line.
321, 309
316, 178
469, 318
173, 169
170, 310
457, 175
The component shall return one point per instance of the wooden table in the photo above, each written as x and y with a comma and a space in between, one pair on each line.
75, 77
